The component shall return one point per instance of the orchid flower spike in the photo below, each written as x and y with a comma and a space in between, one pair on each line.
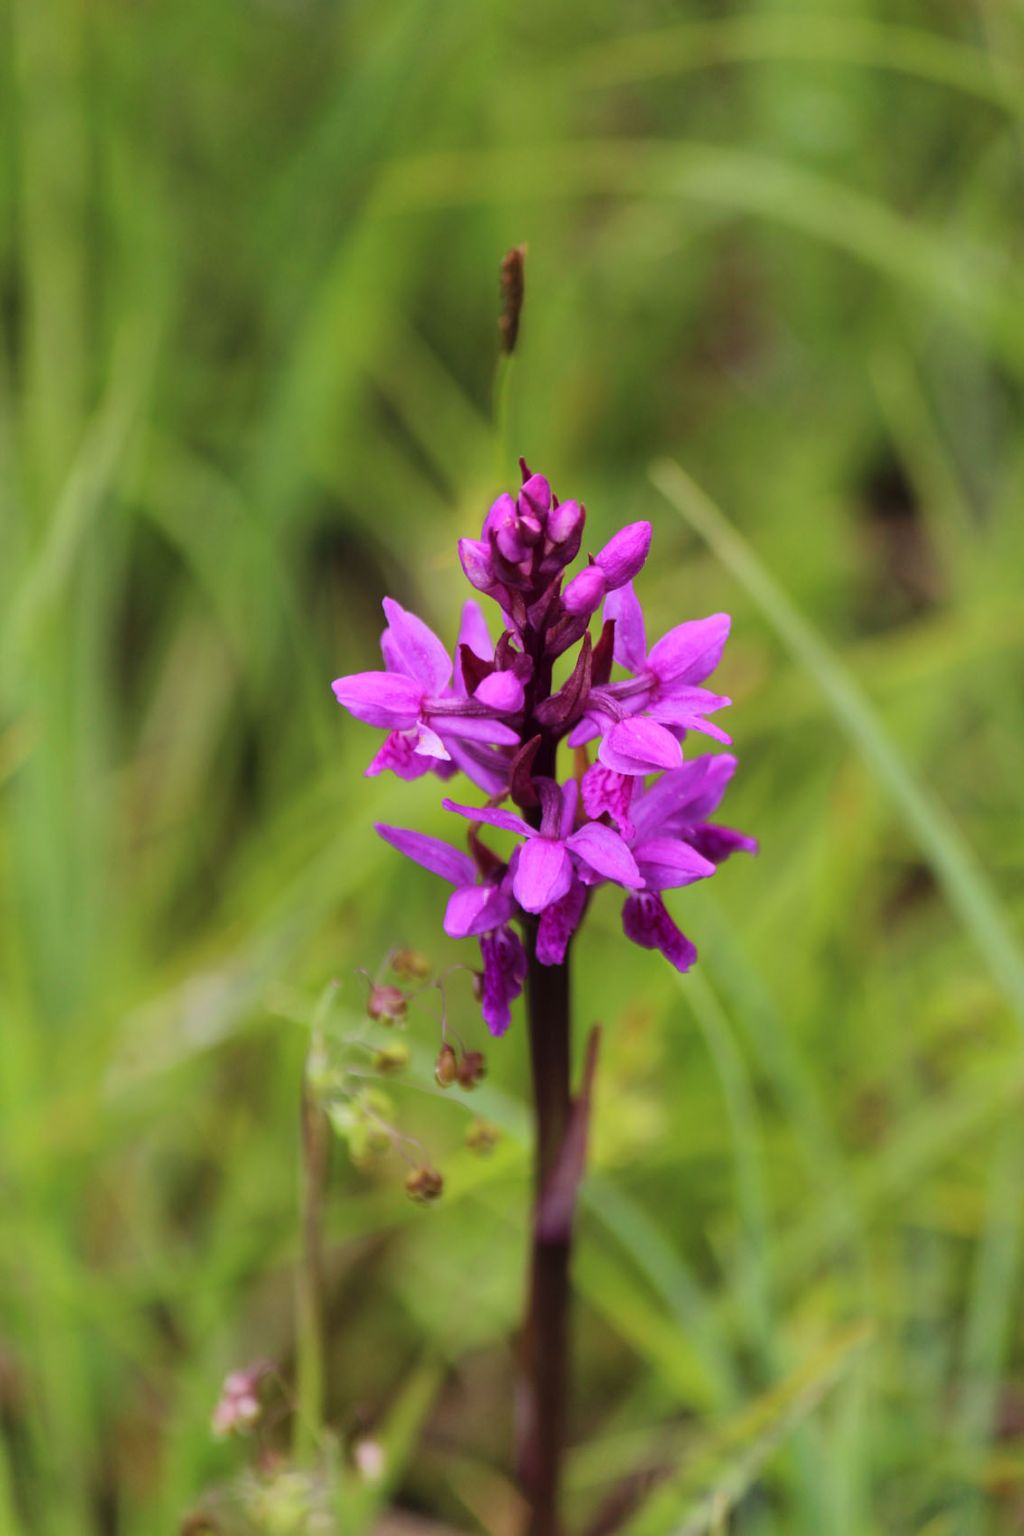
635, 819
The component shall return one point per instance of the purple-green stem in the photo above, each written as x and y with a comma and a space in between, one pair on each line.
546, 1332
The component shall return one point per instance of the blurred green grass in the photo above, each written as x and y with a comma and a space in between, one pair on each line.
248, 261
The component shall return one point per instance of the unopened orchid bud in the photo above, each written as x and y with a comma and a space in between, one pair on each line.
640, 747
500, 514
411, 965
476, 561
624, 554
502, 692
391, 1058
502, 525
386, 1004
531, 529
565, 520
482, 1137
472, 1069
585, 592
535, 498
424, 1185
446, 1069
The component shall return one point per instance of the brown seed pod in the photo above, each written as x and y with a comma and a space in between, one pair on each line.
424, 1184
472, 1069
446, 1069
386, 1004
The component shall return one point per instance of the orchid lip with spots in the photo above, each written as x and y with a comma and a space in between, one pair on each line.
635, 817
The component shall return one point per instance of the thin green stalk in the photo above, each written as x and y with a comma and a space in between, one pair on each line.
309, 1304
314, 1167
503, 450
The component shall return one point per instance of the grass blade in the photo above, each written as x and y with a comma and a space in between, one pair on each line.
724, 1469
753, 39
951, 859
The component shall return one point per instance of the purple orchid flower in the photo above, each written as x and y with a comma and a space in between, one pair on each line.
646, 920
490, 711
478, 907
544, 865
477, 904
663, 689
524, 542
674, 845
558, 923
413, 701
486, 766
638, 820
679, 803
504, 973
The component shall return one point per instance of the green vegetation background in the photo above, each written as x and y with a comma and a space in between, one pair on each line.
248, 257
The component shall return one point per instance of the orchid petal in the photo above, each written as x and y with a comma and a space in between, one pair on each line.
394, 661
543, 874
506, 820
473, 631
486, 769
398, 754
380, 698
475, 728
550, 806
504, 973
587, 729
706, 728
501, 691
605, 791
474, 909
667, 862
604, 851
429, 744
719, 843
432, 852
685, 796
558, 923
646, 921
674, 703
570, 805
690, 652
423, 655
623, 606
706, 794
639, 746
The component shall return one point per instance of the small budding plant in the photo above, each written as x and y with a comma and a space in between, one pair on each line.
625, 807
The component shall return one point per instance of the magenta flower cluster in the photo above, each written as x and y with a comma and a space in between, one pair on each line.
636, 817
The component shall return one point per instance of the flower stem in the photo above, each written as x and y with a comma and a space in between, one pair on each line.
546, 1332
313, 1169
504, 459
